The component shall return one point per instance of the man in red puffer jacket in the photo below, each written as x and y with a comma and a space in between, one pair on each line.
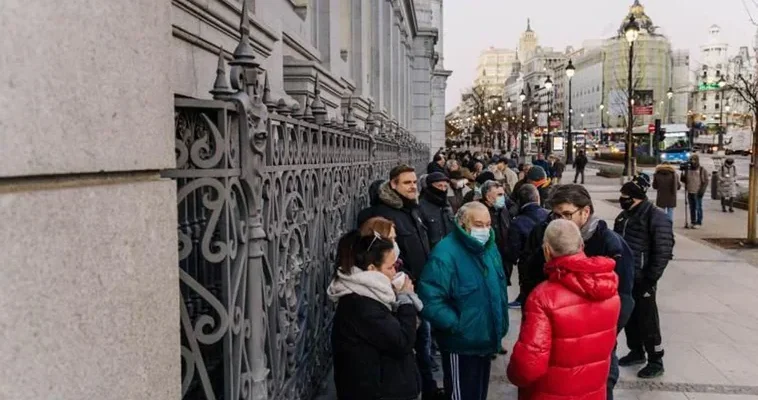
569, 326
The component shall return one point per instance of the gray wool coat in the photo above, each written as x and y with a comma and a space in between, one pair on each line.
728, 181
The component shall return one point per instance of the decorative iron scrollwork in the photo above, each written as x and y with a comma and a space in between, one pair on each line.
265, 190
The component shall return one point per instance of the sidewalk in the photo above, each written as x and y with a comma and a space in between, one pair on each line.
709, 313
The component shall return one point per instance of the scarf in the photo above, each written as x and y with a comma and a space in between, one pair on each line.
589, 228
371, 284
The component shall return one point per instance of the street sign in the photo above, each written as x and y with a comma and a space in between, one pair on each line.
555, 123
643, 102
651, 128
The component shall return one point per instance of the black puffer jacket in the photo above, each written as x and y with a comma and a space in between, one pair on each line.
411, 232
437, 214
649, 233
501, 223
373, 350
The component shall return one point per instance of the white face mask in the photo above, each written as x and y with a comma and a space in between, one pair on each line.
396, 249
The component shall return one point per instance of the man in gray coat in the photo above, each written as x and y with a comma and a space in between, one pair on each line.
695, 180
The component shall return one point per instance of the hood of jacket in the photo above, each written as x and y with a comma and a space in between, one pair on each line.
373, 192
590, 277
665, 168
371, 284
390, 197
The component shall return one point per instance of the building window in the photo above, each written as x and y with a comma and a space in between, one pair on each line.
718, 97
705, 96
705, 107
717, 106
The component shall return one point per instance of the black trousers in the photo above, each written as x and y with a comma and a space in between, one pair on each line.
727, 202
643, 331
578, 172
466, 377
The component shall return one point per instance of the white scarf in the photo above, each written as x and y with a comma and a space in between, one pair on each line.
372, 284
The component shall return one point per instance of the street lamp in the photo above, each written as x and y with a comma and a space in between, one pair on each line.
602, 125
670, 95
548, 141
631, 32
722, 86
522, 97
508, 115
570, 70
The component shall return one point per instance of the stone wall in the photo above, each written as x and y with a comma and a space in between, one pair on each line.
89, 247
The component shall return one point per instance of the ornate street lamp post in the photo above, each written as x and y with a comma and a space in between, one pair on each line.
522, 144
509, 119
570, 70
548, 142
632, 32
722, 85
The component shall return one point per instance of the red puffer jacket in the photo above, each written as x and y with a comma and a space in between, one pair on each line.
568, 331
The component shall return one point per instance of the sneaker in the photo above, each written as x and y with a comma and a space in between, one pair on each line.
651, 370
633, 358
514, 304
695, 226
731, 210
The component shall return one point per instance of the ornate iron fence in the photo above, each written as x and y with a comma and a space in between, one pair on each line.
264, 193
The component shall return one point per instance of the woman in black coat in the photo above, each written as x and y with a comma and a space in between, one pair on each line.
375, 323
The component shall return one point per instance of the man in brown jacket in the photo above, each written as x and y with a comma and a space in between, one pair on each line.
666, 183
695, 179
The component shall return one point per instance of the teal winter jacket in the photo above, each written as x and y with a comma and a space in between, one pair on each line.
465, 296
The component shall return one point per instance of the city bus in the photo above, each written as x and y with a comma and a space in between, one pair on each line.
676, 146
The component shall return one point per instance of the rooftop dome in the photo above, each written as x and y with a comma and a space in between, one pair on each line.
643, 20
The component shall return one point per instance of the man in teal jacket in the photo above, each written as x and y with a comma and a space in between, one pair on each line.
465, 298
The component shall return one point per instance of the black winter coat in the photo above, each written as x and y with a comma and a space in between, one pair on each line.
649, 233
411, 232
603, 242
580, 162
501, 223
373, 350
437, 215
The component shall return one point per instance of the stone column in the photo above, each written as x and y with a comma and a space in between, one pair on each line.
423, 48
89, 285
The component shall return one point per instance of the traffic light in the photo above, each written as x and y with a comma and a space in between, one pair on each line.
659, 133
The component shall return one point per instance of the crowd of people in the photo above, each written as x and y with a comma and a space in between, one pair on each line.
428, 266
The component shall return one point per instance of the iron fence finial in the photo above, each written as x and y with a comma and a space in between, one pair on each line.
221, 87
282, 108
350, 117
308, 115
318, 107
244, 55
267, 100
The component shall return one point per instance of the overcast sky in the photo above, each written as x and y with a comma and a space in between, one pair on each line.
471, 26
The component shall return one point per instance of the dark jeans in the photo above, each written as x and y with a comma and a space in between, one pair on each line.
696, 208
424, 356
643, 331
613, 375
466, 377
578, 172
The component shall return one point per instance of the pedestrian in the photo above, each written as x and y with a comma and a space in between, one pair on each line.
435, 208
541, 162
509, 178
580, 163
666, 183
465, 295
398, 202
728, 184
452, 166
476, 194
437, 164
457, 191
558, 167
573, 202
493, 197
569, 326
374, 326
695, 179
648, 232
537, 177
529, 215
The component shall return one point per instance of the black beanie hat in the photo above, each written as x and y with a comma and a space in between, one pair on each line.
484, 177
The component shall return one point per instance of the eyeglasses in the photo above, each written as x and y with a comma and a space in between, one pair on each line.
568, 215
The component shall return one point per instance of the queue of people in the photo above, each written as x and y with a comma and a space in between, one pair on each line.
428, 267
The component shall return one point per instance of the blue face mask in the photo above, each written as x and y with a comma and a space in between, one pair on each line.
499, 202
482, 235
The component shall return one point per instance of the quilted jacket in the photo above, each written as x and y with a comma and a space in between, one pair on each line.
569, 330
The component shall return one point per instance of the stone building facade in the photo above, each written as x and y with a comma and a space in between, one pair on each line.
90, 292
